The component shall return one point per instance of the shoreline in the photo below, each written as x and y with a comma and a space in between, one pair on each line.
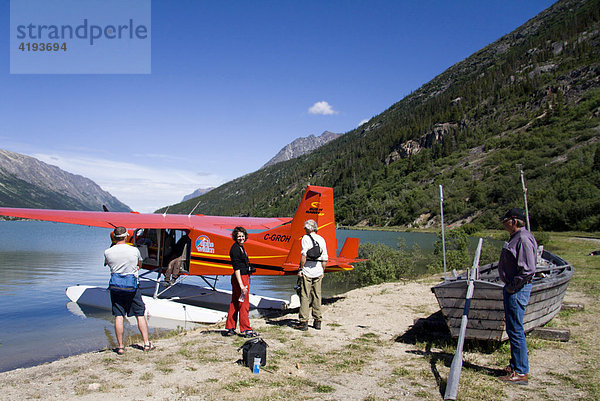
130, 331
367, 349
203, 358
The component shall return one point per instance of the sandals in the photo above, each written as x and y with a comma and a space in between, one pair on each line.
146, 348
229, 333
245, 333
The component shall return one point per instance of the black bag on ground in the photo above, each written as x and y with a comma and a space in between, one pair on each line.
255, 347
315, 252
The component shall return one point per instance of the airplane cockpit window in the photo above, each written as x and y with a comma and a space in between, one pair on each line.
142, 237
146, 241
159, 247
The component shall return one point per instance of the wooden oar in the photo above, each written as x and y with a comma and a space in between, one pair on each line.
457, 362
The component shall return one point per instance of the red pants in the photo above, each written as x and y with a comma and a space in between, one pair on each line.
239, 308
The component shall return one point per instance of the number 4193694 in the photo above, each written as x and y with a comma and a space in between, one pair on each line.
43, 47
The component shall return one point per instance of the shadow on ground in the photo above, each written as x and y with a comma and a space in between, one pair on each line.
431, 334
274, 317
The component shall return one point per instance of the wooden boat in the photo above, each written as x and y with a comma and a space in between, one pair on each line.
486, 314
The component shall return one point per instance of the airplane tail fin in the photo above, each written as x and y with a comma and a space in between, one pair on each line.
350, 249
316, 204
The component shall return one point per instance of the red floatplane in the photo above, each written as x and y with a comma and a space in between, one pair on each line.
273, 247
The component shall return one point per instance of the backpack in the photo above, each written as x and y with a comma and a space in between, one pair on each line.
315, 252
255, 347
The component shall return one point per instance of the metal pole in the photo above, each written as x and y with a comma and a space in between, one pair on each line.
443, 236
457, 362
158, 240
524, 196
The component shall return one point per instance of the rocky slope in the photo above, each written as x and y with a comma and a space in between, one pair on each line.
301, 146
28, 182
196, 193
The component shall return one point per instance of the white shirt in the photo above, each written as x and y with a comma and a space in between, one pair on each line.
122, 259
314, 268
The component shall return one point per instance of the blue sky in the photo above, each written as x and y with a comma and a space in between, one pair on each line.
233, 82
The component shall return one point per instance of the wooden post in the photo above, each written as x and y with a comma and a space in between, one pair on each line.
524, 196
457, 362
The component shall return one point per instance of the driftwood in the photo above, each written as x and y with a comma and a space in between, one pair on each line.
576, 307
547, 333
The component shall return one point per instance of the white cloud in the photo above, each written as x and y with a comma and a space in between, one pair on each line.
366, 120
323, 108
144, 188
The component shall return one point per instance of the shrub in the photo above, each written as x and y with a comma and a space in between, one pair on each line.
541, 237
384, 264
457, 255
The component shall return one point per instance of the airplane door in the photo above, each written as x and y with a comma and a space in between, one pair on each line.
148, 242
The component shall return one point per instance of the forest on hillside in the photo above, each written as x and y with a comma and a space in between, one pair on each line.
530, 100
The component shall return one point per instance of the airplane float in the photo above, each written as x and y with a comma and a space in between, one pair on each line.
273, 247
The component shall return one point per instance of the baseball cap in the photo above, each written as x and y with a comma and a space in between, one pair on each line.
514, 213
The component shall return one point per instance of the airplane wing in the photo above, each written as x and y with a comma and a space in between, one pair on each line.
144, 220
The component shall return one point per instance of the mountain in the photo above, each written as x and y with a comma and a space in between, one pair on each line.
529, 100
301, 146
196, 193
296, 148
28, 182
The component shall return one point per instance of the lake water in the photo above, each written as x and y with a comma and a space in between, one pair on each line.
38, 260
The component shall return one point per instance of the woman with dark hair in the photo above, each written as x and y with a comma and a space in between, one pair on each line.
240, 286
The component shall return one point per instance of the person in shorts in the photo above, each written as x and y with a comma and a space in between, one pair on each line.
125, 259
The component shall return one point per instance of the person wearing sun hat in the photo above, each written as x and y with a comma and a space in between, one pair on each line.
516, 269
125, 260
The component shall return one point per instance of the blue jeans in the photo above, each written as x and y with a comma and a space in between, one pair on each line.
514, 311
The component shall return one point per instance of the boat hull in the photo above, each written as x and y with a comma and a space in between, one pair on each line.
486, 311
